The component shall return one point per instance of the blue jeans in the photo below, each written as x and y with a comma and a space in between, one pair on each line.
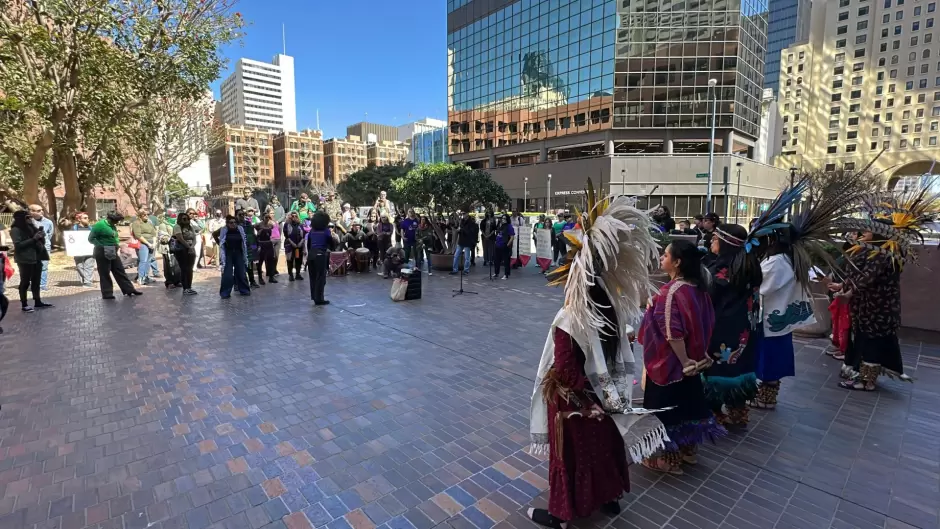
234, 275
44, 277
144, 262
466, 257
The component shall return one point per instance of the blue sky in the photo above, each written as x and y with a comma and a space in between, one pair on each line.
387, 59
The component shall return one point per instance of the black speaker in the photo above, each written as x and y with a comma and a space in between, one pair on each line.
414, 285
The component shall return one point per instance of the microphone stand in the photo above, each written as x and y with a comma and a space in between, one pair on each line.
462, 291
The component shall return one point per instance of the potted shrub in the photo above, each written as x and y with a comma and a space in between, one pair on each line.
447, 188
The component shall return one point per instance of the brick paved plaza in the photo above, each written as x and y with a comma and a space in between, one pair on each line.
175, 412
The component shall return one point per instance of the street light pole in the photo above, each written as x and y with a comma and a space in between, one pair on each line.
792, 178
737, 196
711, 146
525, 195
549, 197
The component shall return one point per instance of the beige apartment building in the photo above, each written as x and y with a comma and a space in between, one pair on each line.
245, 160
298, 160
867, 80
386, 153
343, 157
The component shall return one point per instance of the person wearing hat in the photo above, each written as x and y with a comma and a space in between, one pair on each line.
710, 222
347, 215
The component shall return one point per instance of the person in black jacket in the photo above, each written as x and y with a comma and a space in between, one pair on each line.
320, 243
488, 229
467, 236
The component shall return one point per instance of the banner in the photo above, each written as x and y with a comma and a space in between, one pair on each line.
76, 243
522, 242
543, 248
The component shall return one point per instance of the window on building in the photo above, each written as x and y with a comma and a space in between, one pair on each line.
886, 145
850, 147
842, 30
833, 136
915, 26
786, 107
854, 107
796, 117
855, 94
790, 57
919, 127
856, 81
833, 123
859, 53
928, 37
853, 121
902, 144
840, 43
907, 100
922, 83
889, 116
931, 7
874, 145
876, 118
890, 102
893, 74
838, 70
917, 11
861, 39
905, 129
887, 131
851, 135
921, 98
909, 85
925, 54
832, 149
874, 132
886, 18
837, 83
924, 68
929, 23
862, 24
862, 11
919, 113
913, 41
932, 141
934, 126
877, 104
899, 15
910, 70
836, 97
843, 16
802, 54
834, 111
887, 4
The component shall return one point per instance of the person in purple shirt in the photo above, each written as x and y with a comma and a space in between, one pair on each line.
505, 234
409, 231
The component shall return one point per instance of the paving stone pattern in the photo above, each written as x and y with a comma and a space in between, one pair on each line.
174, 412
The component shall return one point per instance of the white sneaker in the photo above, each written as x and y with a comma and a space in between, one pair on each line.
505, 277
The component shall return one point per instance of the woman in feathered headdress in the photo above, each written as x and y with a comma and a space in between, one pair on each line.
581, 414
873, 284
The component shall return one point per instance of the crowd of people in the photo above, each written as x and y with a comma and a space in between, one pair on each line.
716, 338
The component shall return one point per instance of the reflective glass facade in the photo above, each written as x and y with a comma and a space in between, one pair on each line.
783, 30
429, 146
668, 50
531, 70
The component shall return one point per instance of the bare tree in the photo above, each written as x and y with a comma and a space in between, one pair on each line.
186, 130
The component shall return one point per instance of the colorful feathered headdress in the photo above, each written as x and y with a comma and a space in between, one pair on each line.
612, 245
902, 216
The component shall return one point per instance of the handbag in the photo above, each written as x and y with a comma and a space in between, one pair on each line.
7, 267
110, 252
133, 243
399, 289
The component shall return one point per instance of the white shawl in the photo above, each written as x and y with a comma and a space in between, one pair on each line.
642, 432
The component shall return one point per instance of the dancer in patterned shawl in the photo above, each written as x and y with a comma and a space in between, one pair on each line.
581, 414
675, 333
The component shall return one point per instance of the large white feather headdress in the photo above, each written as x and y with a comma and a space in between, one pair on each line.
613, 246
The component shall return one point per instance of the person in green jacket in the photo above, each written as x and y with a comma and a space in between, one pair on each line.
104, 236
29, 243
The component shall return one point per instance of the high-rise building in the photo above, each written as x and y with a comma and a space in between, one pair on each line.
423, 129
866, 82
298, 160
260, 94
373, 131
343, 157
575, 89
386, 153
244, 161
787, 23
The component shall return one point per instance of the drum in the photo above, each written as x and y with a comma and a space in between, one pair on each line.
361, 259
338, 263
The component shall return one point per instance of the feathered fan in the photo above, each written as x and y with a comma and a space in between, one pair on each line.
613, 236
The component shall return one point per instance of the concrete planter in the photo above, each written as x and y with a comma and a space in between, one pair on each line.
444, 261
823, 325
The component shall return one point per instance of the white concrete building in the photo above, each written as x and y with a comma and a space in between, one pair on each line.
260, 94
771, 129
407, 131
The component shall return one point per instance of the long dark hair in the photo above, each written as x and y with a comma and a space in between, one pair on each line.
743, 267
21, 221
608, 333
690, 262
320, 220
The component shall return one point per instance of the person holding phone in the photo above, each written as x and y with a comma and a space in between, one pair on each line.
29, 253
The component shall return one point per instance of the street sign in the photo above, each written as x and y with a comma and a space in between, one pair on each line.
701, 175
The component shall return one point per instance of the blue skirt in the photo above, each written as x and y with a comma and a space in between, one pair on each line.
775, 359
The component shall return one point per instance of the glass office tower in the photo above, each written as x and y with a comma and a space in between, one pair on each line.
531, 70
